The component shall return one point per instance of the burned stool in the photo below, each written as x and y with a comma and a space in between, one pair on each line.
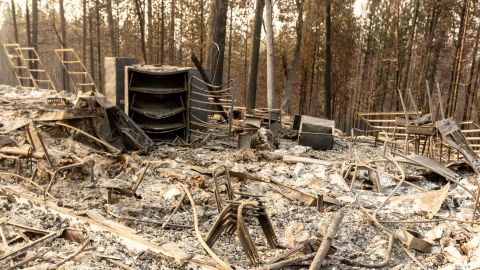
234, 208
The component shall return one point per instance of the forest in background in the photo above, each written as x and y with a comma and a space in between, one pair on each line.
394, 45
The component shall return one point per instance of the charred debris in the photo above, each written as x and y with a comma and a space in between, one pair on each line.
166, 170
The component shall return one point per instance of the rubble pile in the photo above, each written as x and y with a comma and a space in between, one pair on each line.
70, 200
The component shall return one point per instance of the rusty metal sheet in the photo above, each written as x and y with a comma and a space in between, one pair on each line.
429, 163
415, 240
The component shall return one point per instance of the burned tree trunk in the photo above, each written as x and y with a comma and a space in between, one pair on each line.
254, 54
27, 24
216, 40
205, 78
35, 24
432, 25
328, 62
63, 27
410, 48
34, 39
457, 64
141, 21
230, 30
90, 34
201, 30
99, 47
180, 39
172, 33
84, 32
270, 55
14, 19
470, 99
150, 28
111, 29
292, 71
162, 33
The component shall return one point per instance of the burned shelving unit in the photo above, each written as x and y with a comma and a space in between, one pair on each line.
210, 110
156, 100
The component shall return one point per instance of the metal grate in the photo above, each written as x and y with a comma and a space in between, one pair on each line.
211, 109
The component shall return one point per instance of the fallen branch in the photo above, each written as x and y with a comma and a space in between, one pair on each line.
327, 241
27, 260
73, 255
116, 263
249, 176
24, 179
109, 147
289, 252
429, 221
413, 257
140, 178
149, 221
165, 224
22, 249
395, 235
283, 264
374, 265
285, 190
22, 152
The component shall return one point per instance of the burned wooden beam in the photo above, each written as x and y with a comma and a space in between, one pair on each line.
327, 241
73, 255
22, 249
109, 147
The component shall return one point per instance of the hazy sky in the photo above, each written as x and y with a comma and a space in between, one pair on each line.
70, 6
359, 7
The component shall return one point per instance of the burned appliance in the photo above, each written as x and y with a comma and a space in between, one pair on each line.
316, 132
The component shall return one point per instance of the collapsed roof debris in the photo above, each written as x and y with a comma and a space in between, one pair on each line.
142, 199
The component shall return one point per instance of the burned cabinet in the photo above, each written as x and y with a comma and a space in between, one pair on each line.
316, 132
156, 100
